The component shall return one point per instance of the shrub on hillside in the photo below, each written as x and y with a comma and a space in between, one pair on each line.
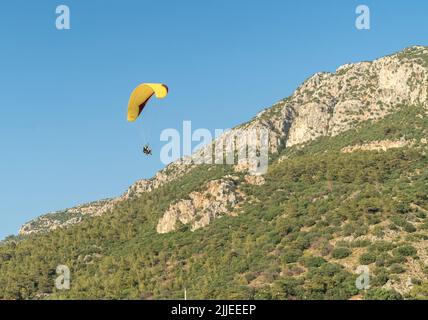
382, 294
405, 251
367, 258
397, 268
341, 253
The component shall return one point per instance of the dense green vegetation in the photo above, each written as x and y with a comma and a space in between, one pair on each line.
320, 214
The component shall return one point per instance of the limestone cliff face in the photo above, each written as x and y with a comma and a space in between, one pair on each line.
330, 103
218, 197
324, 105
378, 145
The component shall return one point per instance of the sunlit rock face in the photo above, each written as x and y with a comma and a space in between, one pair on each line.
219, 197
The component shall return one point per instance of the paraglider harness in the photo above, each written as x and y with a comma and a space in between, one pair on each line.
147, 150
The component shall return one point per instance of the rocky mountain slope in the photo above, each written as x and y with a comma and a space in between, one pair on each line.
346, 187
324, 105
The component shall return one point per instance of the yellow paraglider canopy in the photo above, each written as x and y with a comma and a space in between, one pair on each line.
141, 95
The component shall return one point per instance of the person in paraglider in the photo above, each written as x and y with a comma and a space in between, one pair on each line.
138, 100
147, 150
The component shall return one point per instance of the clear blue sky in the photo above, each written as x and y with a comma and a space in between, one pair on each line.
64, 136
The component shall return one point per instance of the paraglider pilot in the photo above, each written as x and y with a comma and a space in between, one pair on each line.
138, 100
147, 150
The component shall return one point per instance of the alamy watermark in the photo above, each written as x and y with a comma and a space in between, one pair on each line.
363, 20
245, 147
363, 280
62, 21
62, 282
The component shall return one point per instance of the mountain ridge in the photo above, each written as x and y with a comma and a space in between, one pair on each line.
326, 104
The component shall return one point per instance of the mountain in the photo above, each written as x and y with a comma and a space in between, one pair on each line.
346, 186
325, 105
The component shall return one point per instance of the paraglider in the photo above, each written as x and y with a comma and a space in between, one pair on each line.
138, 100
141, 95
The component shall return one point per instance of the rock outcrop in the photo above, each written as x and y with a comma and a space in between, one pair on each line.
219, 197
378, 146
